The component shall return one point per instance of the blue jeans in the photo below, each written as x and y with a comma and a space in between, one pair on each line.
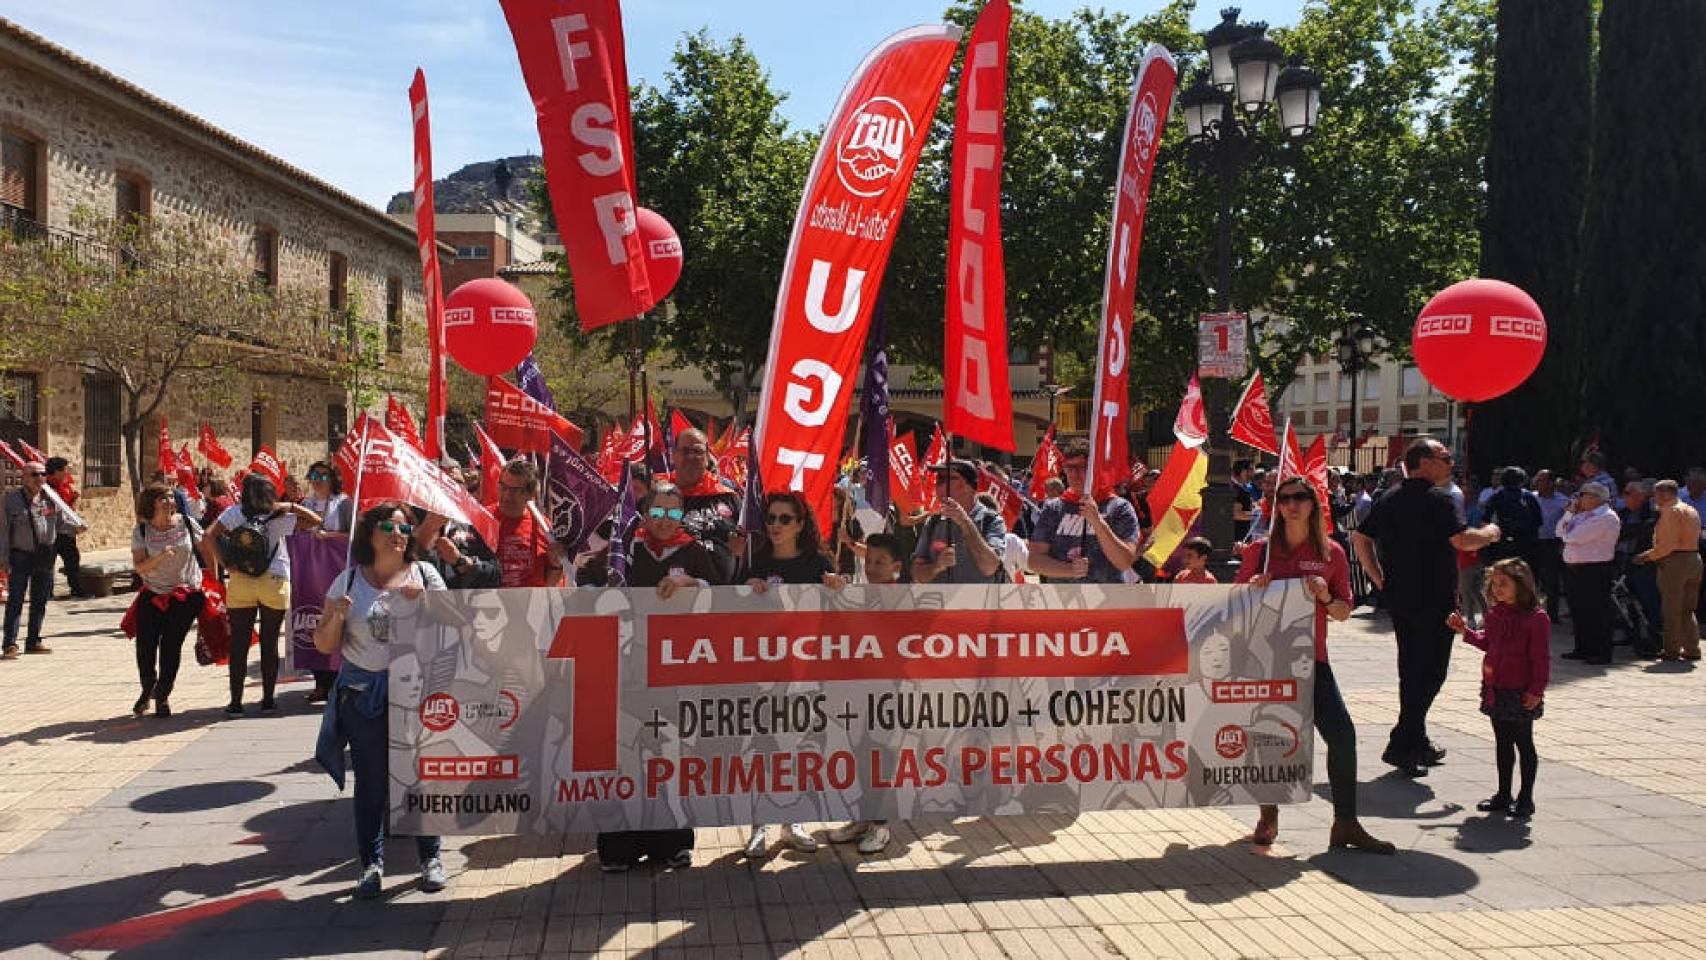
32, 574
369, 744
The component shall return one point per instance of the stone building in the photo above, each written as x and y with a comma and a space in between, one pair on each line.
75, 137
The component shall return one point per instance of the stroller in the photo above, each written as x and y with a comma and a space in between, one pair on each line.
1631, 617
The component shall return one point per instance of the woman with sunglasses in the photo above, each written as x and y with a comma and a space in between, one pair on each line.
791, 552
384, 584
1299, 548
664, 555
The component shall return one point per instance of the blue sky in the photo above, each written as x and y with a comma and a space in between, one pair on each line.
324, 84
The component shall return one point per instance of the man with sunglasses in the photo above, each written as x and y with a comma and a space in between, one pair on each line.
1073, 545
1408, 547
32, 524
710, 503
965, 541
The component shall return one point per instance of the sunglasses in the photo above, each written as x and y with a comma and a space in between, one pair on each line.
37, 475
392, 526
779, 519
1447, 457
318, 475
1298, 497
673, 513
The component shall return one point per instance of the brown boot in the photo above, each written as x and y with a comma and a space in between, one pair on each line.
1349, 835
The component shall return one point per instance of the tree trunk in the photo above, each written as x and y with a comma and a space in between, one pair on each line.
1537, 166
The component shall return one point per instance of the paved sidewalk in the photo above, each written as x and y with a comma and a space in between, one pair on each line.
200, 836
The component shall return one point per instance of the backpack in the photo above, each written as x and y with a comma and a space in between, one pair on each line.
247, 549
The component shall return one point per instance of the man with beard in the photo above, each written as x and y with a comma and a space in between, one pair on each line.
711, 503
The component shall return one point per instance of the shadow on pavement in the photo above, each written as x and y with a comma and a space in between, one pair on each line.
203, 796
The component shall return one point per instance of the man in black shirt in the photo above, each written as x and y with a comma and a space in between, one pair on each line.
1243, 502
1408, 545
712, 503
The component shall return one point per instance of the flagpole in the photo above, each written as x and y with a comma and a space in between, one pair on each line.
355, 512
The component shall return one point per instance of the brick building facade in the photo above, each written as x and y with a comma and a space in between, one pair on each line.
77, 137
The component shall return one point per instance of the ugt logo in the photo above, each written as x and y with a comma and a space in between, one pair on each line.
872, 142
1144, 128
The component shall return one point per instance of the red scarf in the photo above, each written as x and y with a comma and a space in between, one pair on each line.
709, 485
1072, 497
659, 547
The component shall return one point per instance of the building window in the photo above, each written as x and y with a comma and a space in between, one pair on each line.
1371, 385
394, 314
1344, 389
337, 283
130, 199
263, 427
1323, 388
102, 459
20, 178
266, 257
1412, 382
17, 418
473, 253
337, 425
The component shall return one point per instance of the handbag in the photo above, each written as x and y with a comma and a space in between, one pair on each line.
213, 624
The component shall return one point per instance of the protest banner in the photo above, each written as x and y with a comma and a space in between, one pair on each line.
547, 711
432, 282
314, 563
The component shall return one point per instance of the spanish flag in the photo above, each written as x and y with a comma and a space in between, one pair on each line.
1175, 501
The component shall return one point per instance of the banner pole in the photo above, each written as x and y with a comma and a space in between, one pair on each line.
355, 512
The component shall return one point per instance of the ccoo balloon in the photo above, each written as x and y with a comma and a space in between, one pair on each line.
489, 326
1479, 339
663, 251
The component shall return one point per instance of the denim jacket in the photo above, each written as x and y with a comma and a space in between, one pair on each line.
329, 748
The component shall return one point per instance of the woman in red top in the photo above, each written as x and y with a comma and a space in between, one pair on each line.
1300, 549
1518, 641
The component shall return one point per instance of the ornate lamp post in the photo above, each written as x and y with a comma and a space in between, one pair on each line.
1055, 391
1355, 349
1225, 110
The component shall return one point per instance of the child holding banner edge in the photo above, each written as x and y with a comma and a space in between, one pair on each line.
1299, 548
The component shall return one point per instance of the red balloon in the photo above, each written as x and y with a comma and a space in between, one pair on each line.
1479, 339
663, 251
489, 326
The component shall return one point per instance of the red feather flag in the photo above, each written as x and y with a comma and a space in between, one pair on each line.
1253, 420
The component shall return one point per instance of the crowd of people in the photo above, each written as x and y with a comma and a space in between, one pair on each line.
1496, 564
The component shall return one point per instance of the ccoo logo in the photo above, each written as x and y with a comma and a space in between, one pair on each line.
871, 144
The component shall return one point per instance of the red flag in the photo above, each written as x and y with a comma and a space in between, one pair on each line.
720, 447
12, 455
1044, 465
1313, 467
209, 446
905, 479
977, 402
491, 468
846, 225
1151, 99
398, 421
935, 455
36, 456
609, 465
1394, 450
733, 463
269, 465
576, 71
392, 470
432, 283
679, 424
519, 422
186, 473
165, 461
656, 453
1190, 427
1253, 420
1005, 496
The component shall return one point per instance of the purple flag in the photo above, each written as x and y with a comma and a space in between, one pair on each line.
874, 410
532, 382
752, 505
579, 497
626, 518
314, 563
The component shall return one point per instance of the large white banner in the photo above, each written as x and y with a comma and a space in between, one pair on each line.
575, 711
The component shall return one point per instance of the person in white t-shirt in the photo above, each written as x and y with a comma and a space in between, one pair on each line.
162, 547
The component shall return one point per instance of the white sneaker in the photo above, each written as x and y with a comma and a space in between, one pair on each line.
875, 840
847, 833
797, 836
758, 844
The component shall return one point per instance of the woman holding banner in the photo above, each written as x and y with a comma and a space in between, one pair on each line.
1299, 548
792, 551
385, 583
664, 555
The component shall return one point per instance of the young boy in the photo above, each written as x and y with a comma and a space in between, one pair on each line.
1197, 550
883, 565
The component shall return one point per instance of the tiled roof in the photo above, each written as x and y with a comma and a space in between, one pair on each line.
57, 55
529, 268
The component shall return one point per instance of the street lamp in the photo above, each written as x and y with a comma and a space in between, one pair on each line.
1225, 110
1355, 348
1055, 391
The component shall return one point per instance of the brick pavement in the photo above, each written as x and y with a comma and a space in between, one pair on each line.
199, 836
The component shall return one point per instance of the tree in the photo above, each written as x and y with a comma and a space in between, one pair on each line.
1537, 166
1643, 300
162, 307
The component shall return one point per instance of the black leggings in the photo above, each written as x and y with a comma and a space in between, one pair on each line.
160, 640
1510, 738
242, 624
